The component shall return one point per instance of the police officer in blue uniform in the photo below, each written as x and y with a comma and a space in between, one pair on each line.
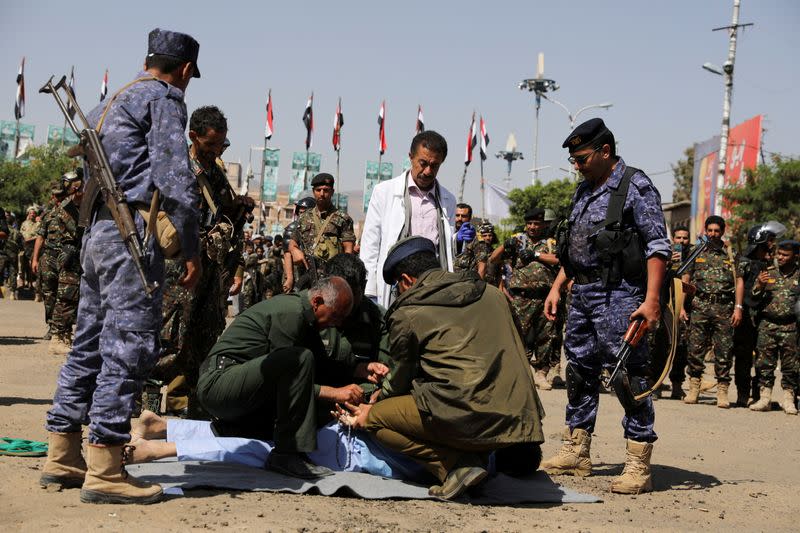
615, 253
116, 343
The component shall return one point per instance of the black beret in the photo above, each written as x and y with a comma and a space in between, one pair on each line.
585, 134
534, 213
402, 249
323, 178
171, 43
790, 243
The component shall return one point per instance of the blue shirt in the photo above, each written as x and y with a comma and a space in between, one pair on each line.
642, 206
144, 137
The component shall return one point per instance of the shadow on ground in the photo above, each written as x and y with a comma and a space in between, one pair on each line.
5, 401
665, 477
18, 341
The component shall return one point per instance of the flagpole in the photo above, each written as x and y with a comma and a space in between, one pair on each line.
461, 189
305, 173
16, 141
483, 194
338, 153
261, 194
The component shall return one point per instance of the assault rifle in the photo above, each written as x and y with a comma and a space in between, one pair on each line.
629, 394
101, 177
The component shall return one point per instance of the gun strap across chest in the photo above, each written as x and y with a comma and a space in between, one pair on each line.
616, 204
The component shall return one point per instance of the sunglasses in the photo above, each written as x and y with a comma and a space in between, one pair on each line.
581, 159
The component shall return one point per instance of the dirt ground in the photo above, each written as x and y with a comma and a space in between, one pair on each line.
713, 469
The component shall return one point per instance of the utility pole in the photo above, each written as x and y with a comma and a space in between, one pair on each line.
727, 69
538, 86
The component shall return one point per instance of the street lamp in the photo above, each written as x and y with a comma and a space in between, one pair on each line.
573, 118
538, 85
510, 154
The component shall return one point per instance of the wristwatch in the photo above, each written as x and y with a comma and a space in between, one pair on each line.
536, 254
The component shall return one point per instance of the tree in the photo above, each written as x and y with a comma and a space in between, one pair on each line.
555, 195
683, 171
771, 192
25, 183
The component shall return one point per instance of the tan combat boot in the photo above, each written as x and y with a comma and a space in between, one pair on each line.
694, 391
108, 482
573, 457
59, 345
788, 404
64, 465
540, 380
763, 403
722, 395
635, 477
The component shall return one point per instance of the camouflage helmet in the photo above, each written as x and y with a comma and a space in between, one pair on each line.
486, 227
307, 202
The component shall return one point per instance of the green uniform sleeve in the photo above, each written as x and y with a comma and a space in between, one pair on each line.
404, 348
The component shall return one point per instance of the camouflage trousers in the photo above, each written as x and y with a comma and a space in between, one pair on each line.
711, 326
542, 337
778, 342
48, 277
116, 340
9, 263
65, 310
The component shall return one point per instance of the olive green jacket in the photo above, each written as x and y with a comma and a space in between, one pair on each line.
456, 350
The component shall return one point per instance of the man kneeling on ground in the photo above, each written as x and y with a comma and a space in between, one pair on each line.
258, 380
460, 385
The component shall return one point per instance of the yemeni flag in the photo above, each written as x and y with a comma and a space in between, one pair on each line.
382, 128
104, 87
308, 120
472, 141
420, 120
19, 103
71, 89
484, 139
268, 128
338, 122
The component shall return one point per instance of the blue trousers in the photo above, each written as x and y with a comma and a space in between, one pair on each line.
596, 323
116, 339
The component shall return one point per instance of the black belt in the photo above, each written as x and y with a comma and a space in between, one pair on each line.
587, 276
529, 294
722, 298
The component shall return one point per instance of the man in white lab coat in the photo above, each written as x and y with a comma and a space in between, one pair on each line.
413, 203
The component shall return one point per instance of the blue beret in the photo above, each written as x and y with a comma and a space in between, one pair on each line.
790, 243
403, 249
585, 134
171, 43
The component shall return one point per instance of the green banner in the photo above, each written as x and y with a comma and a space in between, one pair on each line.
269, 180
59, 136
301, 175
8, 133
406, 164
371, 178
341, 202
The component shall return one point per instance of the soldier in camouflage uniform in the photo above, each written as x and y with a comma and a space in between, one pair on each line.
776, 292
273, 271
252, 284
293, 259
322, 232
465, 238
715, 310
11, 255
534, 268
47, 247
193, 320
487, 270
68, 263
29, 229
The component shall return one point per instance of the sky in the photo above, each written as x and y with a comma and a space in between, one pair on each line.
451, 57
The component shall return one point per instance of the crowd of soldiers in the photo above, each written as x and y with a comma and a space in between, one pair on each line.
384, 336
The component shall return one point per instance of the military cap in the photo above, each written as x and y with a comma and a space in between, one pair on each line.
174, 44
549, 215
323, 178
486, 227
790, 243
534, 213
585, 134
403, 249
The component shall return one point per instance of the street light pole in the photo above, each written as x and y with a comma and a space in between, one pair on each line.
727, 72
538, 85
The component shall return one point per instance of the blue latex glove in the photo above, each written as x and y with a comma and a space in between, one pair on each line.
466, 232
